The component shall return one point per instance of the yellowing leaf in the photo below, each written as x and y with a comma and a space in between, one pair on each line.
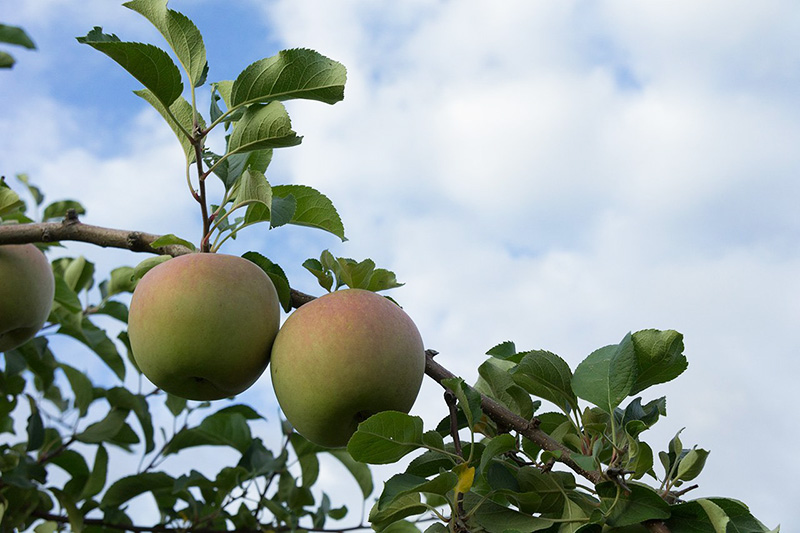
466, 475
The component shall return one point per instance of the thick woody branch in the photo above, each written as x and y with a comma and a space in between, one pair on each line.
71, 229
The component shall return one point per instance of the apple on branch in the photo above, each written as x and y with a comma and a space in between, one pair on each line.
343, 357
27, 287
201, 325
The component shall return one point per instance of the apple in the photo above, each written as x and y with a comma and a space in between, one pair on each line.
343, 357
27, 287
201, 325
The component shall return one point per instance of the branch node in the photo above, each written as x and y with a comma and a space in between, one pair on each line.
70, 218
431, 353
134, 240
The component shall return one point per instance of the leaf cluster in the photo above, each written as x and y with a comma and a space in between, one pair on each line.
251, 110
502, 480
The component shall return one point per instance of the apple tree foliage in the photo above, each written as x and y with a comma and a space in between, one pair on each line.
533, 445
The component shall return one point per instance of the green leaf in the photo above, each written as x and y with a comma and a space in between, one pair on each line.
175, 404
97, 476
644, 415
96, 339
297, 73
148, 264
574, 517
407, 505
253, 188
306, 453
469, 400
66, 297
6, 61
386, 437
546, 375
121, 280
77, 272
181, 34
218, 429
605, 377
314, 209
641, 462
35, 427
170, 239
81, 386
58, 210
180, 116
659, 357
105, 429
674, 453
147, 63
9, 202
496, 381
429, 463
261, 127
402, 484
125, 399
16, 36
504, 350
360, 471
692, 464
551, 488
355, 275
382, 280
277, 275
68, 504
231, 168
627, 508
75, 465
282, 210
129, 487
259, 461
323, 275
403, 526
496, 518
713, 515
498, 445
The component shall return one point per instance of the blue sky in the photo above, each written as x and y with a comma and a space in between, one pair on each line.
552, 173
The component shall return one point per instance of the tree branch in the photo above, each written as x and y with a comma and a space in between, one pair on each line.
505, 417
71, 229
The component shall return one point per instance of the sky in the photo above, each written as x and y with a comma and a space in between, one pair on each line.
556, 174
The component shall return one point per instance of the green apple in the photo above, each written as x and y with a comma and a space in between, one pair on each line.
27, 287
201, 325
343, 357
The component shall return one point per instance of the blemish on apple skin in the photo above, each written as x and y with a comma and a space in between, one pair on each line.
198, 379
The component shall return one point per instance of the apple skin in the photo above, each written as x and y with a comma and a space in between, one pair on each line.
343, 357
201, 325
27, 287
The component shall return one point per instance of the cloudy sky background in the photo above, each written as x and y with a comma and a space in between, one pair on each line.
552, 173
